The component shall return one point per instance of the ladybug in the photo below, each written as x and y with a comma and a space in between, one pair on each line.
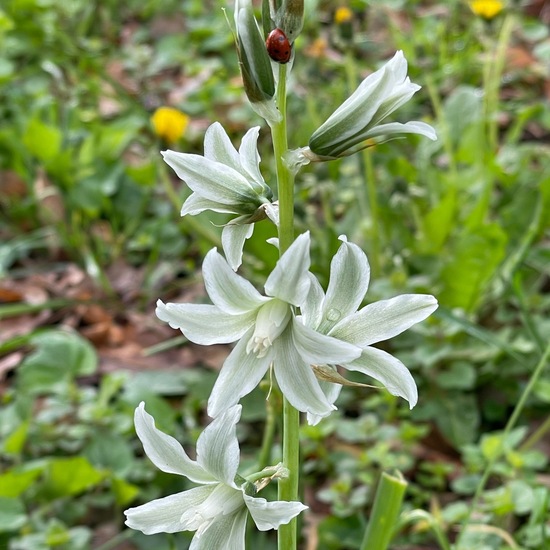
278, 46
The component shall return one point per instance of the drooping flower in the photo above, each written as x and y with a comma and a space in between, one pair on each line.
218, 508
169, 123
486, 8
265, 329
224, 180
336, 314
360, 117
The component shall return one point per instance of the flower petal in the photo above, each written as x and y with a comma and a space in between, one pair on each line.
225, 533
316, 348
239, 375
389, 370
213, 180
233, 237
205, 324
331, 391
195, 204
218, 147
218, 447
384, 319
312, 308
412, 127
289, 281
163, 515
269, 515
349, 281
250, 158
296, 379
164, 451
230, 292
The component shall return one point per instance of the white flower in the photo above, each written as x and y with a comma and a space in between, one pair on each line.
266, 330
224, 180
218, 508
359, 117
335, 314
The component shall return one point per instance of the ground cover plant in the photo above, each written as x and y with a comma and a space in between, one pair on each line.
92, 237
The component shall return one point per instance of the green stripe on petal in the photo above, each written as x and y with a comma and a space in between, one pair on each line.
212, 180
296, 379
218, 147
389, 370
269, 515
218, 447
349, 281
316, 348
205, 324
240, 374
384, 319
163, 515
290, 281
230, 292
164, 451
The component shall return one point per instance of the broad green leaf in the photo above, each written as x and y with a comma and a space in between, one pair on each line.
42, 140
474, 261
13, 444
12, 514
437, 224
58, 358
109, 452
124, 492
18, 480
71, 476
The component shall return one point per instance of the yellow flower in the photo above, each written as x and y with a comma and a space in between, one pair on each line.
343, 15
486, 8
169, 123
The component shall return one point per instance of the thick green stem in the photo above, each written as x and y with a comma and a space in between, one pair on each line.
288, 488
385, 512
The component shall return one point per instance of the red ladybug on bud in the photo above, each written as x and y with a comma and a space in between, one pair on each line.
278, 46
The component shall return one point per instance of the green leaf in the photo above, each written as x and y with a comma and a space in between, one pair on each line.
13, 444
474, 261
460, 376
124, 492
59, 357
18, 480
109, 452
437, 224
71, 476
43, 141
12, 514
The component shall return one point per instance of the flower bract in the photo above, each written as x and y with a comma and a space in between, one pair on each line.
217, 509
266, 331
335, 313
229, 181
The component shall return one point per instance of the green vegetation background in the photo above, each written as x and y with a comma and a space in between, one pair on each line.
91, 237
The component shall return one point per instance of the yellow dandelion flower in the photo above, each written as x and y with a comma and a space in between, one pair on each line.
486, 8
343, 15
169, 123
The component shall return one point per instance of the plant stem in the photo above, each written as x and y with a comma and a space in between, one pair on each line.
509, 426
385, 512
288, 488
